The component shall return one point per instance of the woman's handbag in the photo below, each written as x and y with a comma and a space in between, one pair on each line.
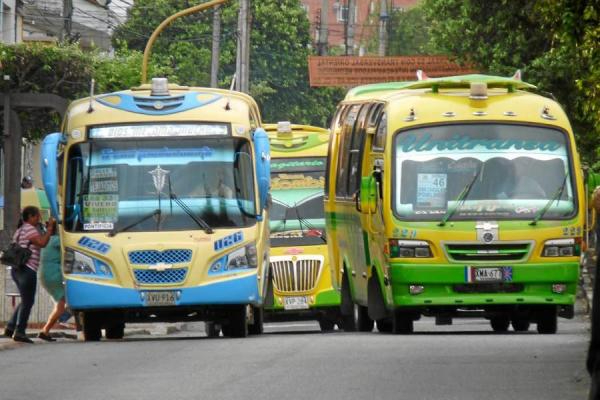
15, 255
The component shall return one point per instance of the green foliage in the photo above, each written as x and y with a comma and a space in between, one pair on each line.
554, 43
278, 54
409, 34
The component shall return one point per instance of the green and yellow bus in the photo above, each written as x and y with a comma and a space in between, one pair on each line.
300, 275
160, 192
454, 197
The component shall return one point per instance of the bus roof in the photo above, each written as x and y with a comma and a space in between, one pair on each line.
449, 82
302, 140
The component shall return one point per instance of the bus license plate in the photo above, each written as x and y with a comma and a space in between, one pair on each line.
295, 303
489, 274
162, 298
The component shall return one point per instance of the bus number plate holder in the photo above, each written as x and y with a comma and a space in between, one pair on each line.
160, 298
488, 274
295, 303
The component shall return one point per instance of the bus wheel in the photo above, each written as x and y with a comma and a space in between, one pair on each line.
520, 324
212, 329
402, 322
238, 322
384, 325
257, 326
547, 320
92, 327
326, 324
500, 324
115, 330
347, 306
363, 322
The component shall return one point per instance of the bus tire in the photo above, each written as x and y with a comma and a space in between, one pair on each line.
238, 324
520, 324
547, 320
500, 323
212, 329
257, 326
402, 322
363, 322
376, 304
115, 330
384, 325
326, 324
347, 306
92, 327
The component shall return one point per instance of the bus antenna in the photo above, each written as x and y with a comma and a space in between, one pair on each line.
91, 107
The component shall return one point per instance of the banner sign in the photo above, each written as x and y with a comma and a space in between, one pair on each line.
350, 71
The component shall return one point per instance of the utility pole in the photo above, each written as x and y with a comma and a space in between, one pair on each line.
216, 47
68, 17
243, 48
323, 29
350, 28
383, 32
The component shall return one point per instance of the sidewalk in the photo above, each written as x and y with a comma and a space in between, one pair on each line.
61, 334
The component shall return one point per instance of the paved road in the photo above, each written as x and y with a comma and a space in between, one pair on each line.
296, 361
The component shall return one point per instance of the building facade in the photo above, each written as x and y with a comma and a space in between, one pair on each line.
354, 29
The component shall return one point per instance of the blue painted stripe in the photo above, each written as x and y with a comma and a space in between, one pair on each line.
91, 295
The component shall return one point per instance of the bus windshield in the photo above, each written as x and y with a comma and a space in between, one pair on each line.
115, 183
482, 171
297, 216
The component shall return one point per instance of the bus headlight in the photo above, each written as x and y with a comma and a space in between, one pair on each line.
242, 258
409, 249
561, 248
81, 264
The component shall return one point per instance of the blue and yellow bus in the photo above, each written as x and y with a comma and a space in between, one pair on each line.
160, 193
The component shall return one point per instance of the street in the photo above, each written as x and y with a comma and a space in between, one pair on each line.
296, 361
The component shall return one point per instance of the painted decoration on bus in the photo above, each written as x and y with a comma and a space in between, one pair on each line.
228, 241
296, 216
158, 130
482, 170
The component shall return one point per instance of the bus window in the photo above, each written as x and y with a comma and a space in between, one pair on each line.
341, 189
378, 143
356, 150
335, 126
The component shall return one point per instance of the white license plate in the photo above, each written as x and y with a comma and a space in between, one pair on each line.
489, 274
162, 298
295, 303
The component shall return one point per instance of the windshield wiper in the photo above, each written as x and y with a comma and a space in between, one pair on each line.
556, 196
309, 226
201, 223
460, 199
114, 231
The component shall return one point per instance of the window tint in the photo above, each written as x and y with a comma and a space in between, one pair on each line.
356, 150
341, 189
379, 139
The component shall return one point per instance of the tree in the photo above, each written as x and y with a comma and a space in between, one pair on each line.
279, 52
409, 34
554, 43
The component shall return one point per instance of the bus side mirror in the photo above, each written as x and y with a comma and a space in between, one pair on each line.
263, 165
49, 161
368, 194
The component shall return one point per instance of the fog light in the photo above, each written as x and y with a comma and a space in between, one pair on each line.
416, 289
559, 288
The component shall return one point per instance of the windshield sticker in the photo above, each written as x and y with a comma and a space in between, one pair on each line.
229, 241
296, 181
411, 142
98, 226
104, 186
297, 165
164, 130
94, 245
101, 208
431, 190
159, 178
201, 153
103, 173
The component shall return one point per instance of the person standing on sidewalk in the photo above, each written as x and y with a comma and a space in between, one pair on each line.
51, 279
25, 277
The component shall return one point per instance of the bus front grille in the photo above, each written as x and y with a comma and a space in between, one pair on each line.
153, 257
153, 277
295, 274
466, 252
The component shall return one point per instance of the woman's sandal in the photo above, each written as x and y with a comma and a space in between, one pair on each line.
45, 337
